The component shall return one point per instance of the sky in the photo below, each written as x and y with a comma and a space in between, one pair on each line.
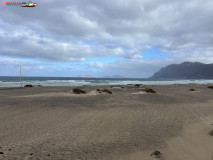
131, 38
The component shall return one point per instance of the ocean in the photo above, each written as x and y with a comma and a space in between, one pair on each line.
78, 81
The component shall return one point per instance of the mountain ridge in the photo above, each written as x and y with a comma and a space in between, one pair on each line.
185, 70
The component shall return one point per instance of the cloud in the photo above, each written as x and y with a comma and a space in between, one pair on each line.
73, 31
28, 44
96, 65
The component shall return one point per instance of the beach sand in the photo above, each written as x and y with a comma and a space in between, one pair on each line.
53, 123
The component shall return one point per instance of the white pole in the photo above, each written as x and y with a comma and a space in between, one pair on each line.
20, 77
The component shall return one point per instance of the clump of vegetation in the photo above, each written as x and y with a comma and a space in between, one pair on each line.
211, 87
37, 85
137, 85
156, 153
103, 90
211, 133
148, 90
106, 90
28, 85
191, 89
78, 91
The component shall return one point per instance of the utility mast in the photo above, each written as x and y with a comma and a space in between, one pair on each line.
20, 77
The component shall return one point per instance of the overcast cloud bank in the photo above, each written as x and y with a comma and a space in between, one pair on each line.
72, 38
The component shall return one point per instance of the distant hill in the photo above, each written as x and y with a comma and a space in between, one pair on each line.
87, 76
185, 70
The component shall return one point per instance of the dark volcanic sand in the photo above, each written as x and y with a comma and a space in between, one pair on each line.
53, 123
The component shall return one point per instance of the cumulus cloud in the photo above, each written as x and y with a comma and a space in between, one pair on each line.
72, 31
28, 44
96, 64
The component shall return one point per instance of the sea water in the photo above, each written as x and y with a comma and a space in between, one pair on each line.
78, 81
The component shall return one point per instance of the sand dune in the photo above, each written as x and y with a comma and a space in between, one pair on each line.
52, 123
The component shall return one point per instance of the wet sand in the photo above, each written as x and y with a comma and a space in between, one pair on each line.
129, 124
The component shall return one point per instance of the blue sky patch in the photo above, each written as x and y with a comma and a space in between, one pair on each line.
154, 53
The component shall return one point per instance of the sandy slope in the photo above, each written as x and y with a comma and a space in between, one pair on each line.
54, 123
193, 144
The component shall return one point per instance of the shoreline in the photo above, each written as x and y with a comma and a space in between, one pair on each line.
45, 81
96, 85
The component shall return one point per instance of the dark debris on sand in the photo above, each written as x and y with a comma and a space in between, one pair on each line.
211, 87
107, 91
148, 90
138, 85
157, 154
28, 85
104, 90
211, 133
78, 91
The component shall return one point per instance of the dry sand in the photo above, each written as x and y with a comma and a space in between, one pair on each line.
55, 124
